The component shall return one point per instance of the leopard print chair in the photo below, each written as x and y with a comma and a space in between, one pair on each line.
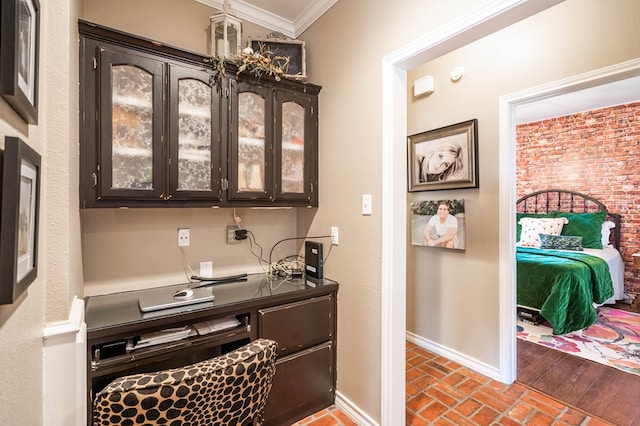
231, 389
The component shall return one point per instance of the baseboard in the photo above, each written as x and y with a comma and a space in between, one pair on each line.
65, 369
462, 359
353, 411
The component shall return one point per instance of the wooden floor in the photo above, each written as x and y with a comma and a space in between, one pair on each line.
605, 392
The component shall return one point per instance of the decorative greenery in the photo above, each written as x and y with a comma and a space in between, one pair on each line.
257, 64
431, 207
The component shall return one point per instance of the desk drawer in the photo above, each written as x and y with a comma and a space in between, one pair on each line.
299, 325
303, 385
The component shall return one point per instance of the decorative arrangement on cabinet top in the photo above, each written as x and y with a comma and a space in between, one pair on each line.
261, 63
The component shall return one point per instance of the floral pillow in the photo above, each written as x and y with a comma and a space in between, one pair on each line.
606, 232
560, 242
533, 227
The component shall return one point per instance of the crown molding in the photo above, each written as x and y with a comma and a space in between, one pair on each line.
311, 14
271, 21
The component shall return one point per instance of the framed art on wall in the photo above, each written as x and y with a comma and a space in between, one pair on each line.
296, 67
18, 219
444, 158
438, 223
19, 41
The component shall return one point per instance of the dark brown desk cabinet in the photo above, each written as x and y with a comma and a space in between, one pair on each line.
304, 370
299, 315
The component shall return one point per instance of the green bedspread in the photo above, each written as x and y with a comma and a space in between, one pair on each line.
562, 285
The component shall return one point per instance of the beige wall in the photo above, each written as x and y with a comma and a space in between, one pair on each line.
49, 298
137, 248
452, 297
344, 54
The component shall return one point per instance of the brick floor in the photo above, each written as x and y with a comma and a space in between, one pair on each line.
442, 392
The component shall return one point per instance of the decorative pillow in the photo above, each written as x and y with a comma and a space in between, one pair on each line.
522, 215
533, 227
607, 226
585, 225
560, 242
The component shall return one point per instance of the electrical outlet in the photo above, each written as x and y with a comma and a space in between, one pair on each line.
206, 269
334, 235
231, 235
183, 237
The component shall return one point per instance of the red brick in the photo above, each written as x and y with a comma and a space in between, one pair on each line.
485, 416
419, 401
433, 411
468, 407
572, 417
540, 419
520, 411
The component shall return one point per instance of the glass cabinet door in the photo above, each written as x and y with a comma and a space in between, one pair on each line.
130, 163
251, 156
194, 128
295, 162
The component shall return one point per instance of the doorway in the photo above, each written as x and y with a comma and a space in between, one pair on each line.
479, 23
606, 87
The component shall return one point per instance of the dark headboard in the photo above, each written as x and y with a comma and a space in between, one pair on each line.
549, 200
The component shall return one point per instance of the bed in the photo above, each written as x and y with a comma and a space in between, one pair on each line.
568, 259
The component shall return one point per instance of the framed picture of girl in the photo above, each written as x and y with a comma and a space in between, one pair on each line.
444, 158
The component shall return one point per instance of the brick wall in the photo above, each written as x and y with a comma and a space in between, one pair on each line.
596, 153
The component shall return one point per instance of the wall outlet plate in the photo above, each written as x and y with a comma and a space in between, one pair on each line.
206, 269
184, 237
231, 235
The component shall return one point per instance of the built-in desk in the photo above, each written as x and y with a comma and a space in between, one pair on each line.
300, 315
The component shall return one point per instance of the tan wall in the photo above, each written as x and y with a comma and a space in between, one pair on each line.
344, 54
180, 23
452, 297
137, 248
49, 297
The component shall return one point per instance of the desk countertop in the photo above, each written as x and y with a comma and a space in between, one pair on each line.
118, 309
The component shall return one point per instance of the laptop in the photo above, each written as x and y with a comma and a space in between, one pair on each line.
164, 298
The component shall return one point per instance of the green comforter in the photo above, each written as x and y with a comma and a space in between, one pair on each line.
562, 285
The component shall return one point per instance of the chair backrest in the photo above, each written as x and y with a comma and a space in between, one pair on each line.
230, 389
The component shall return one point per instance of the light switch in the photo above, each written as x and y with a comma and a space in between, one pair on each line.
366, 204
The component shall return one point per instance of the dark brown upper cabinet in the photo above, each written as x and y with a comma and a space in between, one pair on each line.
159, 127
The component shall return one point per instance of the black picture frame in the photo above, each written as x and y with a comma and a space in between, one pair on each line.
19, 218
444, 158
19, 56
293, 49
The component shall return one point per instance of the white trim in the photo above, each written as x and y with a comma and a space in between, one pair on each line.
490, 17
507, 250
394, 244
69, 327
311, 14
64, 369
460, 358
264, 18
507, 124
354, 412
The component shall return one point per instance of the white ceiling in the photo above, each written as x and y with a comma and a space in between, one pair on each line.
606, 95
289, 17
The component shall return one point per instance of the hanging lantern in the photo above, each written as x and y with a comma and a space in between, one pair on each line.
226, 33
